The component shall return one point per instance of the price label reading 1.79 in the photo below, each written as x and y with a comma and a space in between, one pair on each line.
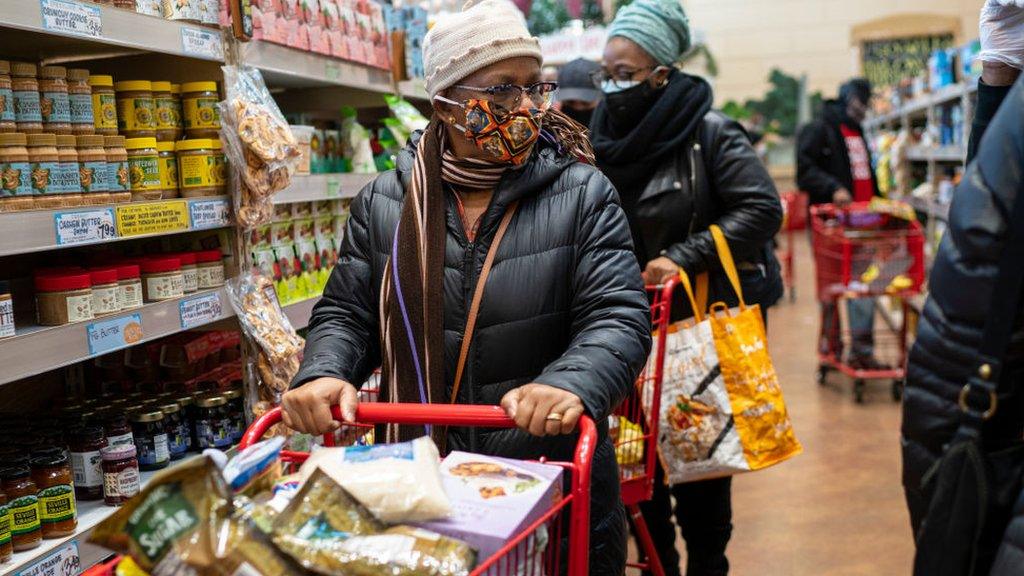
70, 17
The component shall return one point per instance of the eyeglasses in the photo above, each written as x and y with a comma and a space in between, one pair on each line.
506, 98
621, 79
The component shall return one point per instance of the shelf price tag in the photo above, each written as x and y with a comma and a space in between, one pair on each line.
84, 226
70, 17
332, 71
202, 43
62, 562
200, 310
152, 218
114, 334
209, 214
333, 187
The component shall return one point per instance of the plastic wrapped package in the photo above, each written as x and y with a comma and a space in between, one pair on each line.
356, 143
406, 113
255, 470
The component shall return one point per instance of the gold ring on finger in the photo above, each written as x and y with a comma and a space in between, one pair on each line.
554, 417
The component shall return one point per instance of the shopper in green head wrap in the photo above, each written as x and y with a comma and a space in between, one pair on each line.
660, 27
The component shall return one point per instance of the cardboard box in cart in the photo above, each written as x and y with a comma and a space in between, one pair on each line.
495, 499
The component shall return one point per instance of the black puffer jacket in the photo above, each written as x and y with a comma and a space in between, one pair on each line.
822, 160
564, 306
961, 285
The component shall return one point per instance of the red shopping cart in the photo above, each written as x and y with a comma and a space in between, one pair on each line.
794, 218
635, 430
569, 517
872, 261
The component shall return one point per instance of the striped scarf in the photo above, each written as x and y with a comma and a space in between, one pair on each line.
411, 297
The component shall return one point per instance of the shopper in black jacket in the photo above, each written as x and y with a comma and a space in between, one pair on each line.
563, 326
680, 167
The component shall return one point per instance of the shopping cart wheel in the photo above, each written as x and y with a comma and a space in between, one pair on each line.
859, 386
897, 390
821, 375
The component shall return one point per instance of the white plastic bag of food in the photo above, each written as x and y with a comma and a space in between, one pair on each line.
398, 483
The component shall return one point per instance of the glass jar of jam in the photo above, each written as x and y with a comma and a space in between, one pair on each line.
6, 549
80, 99
54, 103
86, 443
58, 515
188, 417
120, 474
236, 413
150, 434
174, 424
135, 109
104, 104
23, 504
7, 118
27, 114
213, 422
117, 429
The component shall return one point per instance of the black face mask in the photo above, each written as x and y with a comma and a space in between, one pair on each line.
627, 108
581, 116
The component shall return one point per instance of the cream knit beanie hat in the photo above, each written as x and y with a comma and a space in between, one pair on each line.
485, 32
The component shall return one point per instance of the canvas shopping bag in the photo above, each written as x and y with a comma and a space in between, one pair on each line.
722, 411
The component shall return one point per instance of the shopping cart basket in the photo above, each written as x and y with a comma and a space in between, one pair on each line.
569, 517
874, 261
635, 423
794, 218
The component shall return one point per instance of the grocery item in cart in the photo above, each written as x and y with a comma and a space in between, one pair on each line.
396, 482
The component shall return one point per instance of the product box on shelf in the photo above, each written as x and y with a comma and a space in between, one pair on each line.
323, 229
309, 257
262, 251
493, 499
287, 268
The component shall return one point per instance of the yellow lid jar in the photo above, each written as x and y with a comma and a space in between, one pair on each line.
143, 168
197, 168
104, 104
135, 117
168, 169
199, 105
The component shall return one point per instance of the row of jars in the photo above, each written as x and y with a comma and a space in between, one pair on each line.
198, 11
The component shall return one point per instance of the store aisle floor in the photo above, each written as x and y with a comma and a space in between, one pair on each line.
837, 509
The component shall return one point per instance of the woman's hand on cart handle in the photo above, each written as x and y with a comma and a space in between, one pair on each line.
308, 407
659, 270
543, 410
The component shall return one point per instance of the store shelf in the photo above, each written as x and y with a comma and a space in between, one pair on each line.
34, 350
285, 67
298, 313
937, 154
413, 89
90, 514
313, 187
119, 28
920, 105
37, 230
930, 207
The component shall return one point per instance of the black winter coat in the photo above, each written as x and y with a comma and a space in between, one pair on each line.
961, 285
564, 306
717, 179
822, 160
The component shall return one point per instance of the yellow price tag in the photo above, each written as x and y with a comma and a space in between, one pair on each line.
152, 218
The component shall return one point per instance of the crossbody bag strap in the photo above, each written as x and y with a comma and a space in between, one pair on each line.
478, 294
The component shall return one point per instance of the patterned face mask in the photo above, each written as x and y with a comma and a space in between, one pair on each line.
509, 138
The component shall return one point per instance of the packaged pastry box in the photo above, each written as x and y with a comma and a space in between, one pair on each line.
494, 499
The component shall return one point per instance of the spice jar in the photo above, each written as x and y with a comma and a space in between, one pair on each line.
6, 310
213, 423
27, 115
199, 105
80, 102
104, 104
15, 171
236, 413
120, 474
23, 504
150, 439
42, 154
209, 269
135, 109
6, 549
86, 443
53, 478
7, 118
117, 430
117, 177
129, 284
104, 291
54, 102
143, 168
63, 297
174, 426
92, 165
168, 169
67, 180
162, 279
163, 105
197, 169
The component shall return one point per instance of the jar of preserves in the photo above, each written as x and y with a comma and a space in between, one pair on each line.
7, 118
80, 102
163, 104
143, 168
150, 435
53, 478
197, 169
85, 443
42, 155
23, 504
213, 422
27, 114
104, 291
121, 479
6, 549
199, 106
68, 181
188, 271
236, 413
15, 170
63, 297
54, 102
168, 169
104, 104
135, 109
174, 426
188, 416
117, 177
162, 279
129, 283
209, 269
92, 165
117, 429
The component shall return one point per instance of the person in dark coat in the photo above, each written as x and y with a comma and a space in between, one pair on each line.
679, 167
834, 167
961, 282
564, 325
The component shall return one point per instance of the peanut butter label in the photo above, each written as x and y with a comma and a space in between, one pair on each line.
15, 179
198, 171
104, 109
104, 300
80, 308
201, 113
55, 107
144, 172
135, 114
